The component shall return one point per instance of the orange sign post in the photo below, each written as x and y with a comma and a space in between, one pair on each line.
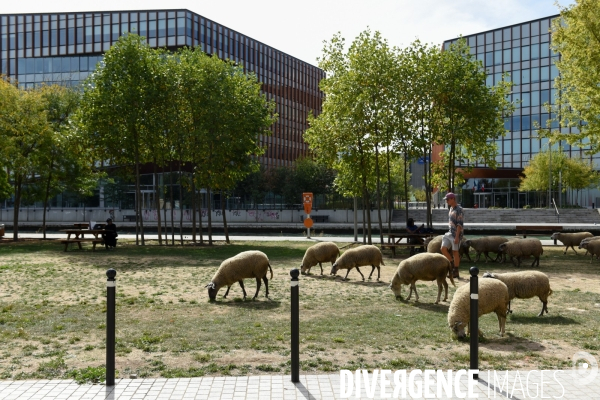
307, 199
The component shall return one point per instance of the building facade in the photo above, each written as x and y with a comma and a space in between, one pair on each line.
65, 48
523, 52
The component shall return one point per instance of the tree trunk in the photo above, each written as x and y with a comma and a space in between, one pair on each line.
180, 205
157, 204
406, 183
208, 205
18, 184
194, 208
172, 203
378, 194
389, 202
224, 218
46, 196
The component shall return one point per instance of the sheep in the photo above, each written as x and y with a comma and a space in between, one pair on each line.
523, 248
586, 240
485, 245
247, 264
525, 285
318, 253
493, 297
422, 267
435, 246
593, 247
570, 239
359, 256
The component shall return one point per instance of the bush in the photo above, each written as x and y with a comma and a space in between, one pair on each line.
526, 207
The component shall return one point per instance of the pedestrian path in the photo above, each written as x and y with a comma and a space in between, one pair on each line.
514, 385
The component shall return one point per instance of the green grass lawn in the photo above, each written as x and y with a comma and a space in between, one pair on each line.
53, 313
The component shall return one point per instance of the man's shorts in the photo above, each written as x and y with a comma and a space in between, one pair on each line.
448, 241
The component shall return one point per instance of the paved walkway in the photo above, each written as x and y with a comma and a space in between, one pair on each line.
514, 385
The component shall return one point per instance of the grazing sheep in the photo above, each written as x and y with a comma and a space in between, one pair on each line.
422, 267
493, 297
485, 245
570, 239
586, 240
434, 245
318, 253
247, 264
525, 285
522, 248
357, 257
593, 247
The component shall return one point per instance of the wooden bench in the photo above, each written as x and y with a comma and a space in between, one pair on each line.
130, 218
393, 246
94, 242
317, 218
537, 228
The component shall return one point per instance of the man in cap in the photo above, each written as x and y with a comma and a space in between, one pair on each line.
454, 236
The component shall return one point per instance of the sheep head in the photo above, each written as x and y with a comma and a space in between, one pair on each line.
459, 329
334, 268
212, 291
396, 286
502, 248
489, 275
555, 235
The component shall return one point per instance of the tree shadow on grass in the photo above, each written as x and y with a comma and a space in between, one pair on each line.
259, 304
545, 320
428, 305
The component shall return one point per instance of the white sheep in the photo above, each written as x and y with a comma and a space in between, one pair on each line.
570, 239
523, 248
493, 297
593, 247
485, 245
525, 285
357, 257
434, 245
422, 267
318, 253
247, 264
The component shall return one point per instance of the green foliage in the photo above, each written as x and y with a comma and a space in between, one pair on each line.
87, 375
576, 36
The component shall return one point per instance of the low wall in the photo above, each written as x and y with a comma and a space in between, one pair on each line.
60, 216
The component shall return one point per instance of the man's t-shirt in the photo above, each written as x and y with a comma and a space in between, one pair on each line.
456, 218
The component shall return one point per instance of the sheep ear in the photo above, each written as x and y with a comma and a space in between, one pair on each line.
210, 285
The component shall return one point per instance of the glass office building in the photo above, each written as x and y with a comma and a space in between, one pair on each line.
65, 48
523, 52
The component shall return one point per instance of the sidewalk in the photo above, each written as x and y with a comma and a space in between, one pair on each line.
518, 386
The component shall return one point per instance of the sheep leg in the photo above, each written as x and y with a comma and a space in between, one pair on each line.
439, 292
413, 286
446, 290
227, 292
536, 261
501, 322
321, 268
257, 288
373, 270
508, 310
478, 256
410, 293
241, 282
487, 256
361, 274
346, 277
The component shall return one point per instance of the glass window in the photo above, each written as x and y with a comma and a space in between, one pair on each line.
516, 146
536, 122
53, 38
480, 40
516, 54
489, 80
525, 99
106, 37
39, 65
507, 124
525, 53
525, 76
124, 28
171, 27
535, 74
525, 30
507, 146
516, 123
544, 50
66, 64
535, 51
180, 26
535, 145
97, 34
162, 28
544, 73
83, 63
507, 58
545, 96
525, 122
535, 28
535, 98
553, 71
498, 57
47, 65
489, 59
152, 29
516, 76
516, 32
525, 146
498, 36
544, 26
115, 32
472, 41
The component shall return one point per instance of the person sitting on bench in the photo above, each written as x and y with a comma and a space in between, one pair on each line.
110, 238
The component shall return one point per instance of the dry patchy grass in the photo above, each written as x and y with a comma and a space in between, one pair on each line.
52, 315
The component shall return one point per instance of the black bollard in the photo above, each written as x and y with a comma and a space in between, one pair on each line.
111, 287
295, 305
474, 323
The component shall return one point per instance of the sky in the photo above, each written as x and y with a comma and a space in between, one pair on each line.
299, 28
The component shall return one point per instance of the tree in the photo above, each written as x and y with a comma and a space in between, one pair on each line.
468, 114
118, 104
350, 132
567, 173
576, 36
26, 136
